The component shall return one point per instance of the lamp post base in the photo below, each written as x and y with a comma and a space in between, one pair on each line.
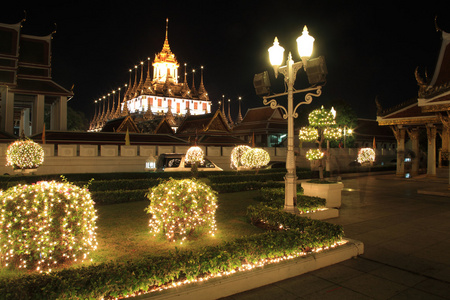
291, 209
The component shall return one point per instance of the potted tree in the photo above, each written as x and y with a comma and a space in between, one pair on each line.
322, 127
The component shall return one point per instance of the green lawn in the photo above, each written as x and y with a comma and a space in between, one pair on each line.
123, 231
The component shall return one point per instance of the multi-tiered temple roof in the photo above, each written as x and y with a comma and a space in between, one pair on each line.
157, 96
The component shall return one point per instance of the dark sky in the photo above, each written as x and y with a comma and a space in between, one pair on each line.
371, 47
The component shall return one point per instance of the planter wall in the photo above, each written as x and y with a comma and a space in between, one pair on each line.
329, 191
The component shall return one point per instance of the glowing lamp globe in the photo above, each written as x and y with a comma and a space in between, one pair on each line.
276, 53
305, 44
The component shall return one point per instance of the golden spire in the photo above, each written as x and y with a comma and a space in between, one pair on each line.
203, 94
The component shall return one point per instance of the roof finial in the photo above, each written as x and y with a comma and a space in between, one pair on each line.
167, 28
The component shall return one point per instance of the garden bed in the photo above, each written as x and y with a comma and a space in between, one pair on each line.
129, 260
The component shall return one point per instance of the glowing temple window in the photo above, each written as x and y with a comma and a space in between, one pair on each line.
195, 105
178, 108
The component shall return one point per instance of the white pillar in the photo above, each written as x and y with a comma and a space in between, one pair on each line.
59, 114
38, 114
7, 110
25, 122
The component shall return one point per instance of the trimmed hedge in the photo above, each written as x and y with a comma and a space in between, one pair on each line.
238, 177
274, 197
119, 279
275, 219
244, 186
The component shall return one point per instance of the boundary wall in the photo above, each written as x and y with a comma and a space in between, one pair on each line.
88, 158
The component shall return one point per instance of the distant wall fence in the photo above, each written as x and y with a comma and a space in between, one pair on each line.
82, 158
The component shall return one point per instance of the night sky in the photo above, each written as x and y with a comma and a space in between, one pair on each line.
371, 50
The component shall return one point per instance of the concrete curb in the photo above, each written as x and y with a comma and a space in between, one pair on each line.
325, 214
228, 285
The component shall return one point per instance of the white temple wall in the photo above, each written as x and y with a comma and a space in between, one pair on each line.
67, 158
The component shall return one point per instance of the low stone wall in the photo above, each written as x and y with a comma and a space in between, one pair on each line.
81, 158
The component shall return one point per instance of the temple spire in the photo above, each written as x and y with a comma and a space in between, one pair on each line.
239, 117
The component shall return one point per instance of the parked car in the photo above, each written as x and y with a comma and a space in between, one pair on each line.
175, 162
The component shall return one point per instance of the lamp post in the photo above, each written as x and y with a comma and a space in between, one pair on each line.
305, 46
347, 131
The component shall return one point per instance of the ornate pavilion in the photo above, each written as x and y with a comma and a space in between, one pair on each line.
154, 97
429, 112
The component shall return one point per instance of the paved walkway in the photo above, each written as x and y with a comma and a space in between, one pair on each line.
405, 227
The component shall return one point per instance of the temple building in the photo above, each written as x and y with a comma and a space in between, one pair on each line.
27, 91
428, 113
158, 94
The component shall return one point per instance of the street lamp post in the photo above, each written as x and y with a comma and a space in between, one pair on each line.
347, 131
289, 71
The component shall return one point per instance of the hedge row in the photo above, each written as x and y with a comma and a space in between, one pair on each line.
244, 186
274, 197
119, 279
275, 219
274, 176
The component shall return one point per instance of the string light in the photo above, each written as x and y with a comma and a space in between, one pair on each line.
321, 118
236, 155
255, 158
194, 155
366, 155
179, 207
308, 134
314, 154
46, 224
24, 154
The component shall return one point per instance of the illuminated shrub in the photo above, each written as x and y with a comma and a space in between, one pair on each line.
255, 158
45, 224
308, 134
180, 207
24, 154
194, 155
314, 154
321, 118
332, 133
236, 155
366, 155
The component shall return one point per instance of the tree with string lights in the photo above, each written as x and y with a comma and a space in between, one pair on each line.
322, 127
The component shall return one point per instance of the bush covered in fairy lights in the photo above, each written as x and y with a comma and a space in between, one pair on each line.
24, 154
332, 133
236, 155
314, 154
321, 118
366, 155
46, 224
180, 207
308, 134
255, 158
194, 155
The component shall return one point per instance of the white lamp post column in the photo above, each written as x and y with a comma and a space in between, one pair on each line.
305, 45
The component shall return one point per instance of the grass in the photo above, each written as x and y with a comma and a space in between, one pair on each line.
123, 232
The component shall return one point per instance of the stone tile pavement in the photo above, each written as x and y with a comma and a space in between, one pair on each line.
405, 227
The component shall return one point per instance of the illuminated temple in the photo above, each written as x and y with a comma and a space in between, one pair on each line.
154, 96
